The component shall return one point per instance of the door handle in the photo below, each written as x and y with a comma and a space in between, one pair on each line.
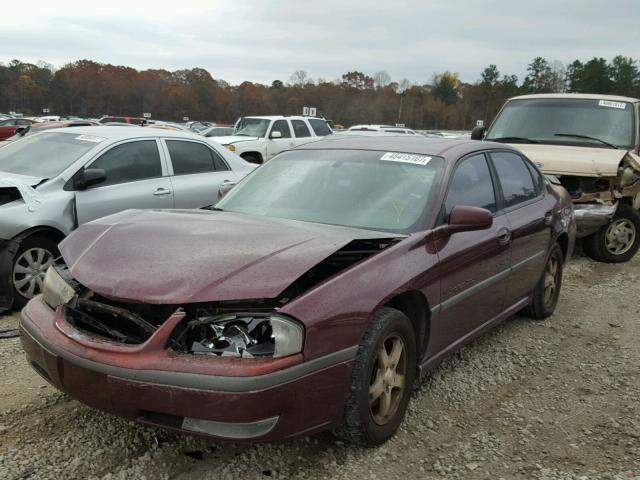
162, 191
548, 218
504, 236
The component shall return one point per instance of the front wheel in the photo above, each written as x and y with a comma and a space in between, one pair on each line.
382, 380
30, 264
618, 241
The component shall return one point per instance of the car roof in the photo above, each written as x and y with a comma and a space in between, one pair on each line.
582, 96
415, 144
279, 117
117, 132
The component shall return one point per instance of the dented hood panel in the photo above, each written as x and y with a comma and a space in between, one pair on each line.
185, 256
569, 160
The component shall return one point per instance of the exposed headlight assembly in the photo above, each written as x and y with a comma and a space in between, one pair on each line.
242, 335
56, 290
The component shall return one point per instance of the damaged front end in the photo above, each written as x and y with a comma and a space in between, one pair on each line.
250, 328
212, 329
596, 199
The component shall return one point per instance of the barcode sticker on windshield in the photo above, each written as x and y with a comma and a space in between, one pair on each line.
607, 103
406, 158
89, 138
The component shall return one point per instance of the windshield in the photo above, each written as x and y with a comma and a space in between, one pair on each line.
542, 120
252, 127
45, 155
364, 189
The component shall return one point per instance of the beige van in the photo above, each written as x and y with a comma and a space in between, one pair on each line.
590, 144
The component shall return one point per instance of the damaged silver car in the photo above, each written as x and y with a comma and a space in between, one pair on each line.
54, 181
591, 145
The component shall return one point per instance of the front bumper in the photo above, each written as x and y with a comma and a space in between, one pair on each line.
139, 384
591, 217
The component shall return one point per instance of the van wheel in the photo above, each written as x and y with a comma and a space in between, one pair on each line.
618, 241
382, 380
545, 296
33, 258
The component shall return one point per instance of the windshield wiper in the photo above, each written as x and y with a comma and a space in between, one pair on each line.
512, 139
586, 137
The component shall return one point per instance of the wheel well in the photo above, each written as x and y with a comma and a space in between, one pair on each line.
415, 306
48, 232
257, 155
563, 241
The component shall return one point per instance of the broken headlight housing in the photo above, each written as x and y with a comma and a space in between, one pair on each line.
242, 335
56, 290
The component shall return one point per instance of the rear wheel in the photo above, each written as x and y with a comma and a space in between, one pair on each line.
545, 296
30, 264
618, 241
382, 380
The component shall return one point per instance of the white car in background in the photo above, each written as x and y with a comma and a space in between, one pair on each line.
382, 128
259, 139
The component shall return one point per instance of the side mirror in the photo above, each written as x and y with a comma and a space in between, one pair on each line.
467, 219
90, 177
276, 134
478, 133
224, 189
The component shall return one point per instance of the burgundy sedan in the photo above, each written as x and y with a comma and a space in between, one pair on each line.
310, 297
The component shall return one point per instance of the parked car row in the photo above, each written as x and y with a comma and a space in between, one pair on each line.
308, 297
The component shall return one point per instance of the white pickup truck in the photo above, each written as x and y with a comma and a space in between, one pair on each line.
258, 139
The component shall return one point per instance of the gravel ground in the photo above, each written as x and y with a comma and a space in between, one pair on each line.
558, 399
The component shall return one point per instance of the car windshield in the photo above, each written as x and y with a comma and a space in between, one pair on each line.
252, 127
553, 121
45, 155
374, 190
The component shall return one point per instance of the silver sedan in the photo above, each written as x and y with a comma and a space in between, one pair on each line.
54, 181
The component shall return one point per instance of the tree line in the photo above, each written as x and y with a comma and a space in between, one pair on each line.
88, 89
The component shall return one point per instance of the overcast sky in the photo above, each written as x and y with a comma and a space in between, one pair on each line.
263, 40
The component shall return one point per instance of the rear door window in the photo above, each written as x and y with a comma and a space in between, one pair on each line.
300, 128
320, 127
515, 178
191, 157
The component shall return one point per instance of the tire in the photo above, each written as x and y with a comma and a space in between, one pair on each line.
33, 248
618, 241
253, 158
368, 422
543, 303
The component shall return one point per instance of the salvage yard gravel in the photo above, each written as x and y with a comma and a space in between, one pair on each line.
557, 399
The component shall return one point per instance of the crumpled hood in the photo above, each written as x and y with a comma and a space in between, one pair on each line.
570, 160
233, 139
25, 187
185, 256
13, 179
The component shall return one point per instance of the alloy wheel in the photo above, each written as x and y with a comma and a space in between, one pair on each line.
620, 236
551, 280
29, 271
388, 379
